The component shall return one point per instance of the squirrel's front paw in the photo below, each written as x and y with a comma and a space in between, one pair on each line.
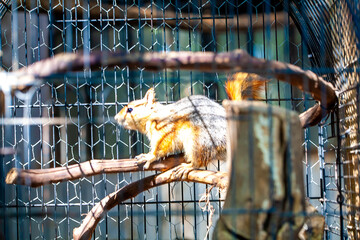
145, 158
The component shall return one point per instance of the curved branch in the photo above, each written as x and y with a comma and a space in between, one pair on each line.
87, 227
38, 177
237, 60
312, 116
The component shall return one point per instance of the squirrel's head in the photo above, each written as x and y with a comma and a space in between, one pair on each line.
135, 115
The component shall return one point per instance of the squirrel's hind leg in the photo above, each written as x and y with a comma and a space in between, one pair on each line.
182, 171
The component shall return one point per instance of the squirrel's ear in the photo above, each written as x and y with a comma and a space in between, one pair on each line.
150, 96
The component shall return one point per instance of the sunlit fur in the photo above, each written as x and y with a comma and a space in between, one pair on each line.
242, 86
189, 125
194, 125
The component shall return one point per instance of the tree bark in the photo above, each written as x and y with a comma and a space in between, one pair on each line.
88, 225
39, 177
237, 60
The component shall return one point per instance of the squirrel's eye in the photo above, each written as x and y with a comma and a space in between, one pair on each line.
129, 110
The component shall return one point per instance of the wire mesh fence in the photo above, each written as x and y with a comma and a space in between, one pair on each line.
69, 118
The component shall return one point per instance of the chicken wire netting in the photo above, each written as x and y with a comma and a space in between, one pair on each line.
69, 118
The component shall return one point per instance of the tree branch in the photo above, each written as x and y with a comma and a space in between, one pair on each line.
87, 227
38, 177
204, 21
237, 60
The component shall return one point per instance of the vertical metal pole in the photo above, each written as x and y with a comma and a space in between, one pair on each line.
340, 198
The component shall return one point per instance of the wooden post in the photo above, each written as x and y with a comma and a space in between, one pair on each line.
265, 199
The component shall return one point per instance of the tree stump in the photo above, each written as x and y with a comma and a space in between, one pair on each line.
265, 199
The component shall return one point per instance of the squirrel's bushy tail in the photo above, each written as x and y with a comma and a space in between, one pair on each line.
241, 86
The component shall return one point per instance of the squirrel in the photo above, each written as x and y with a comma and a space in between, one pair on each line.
194, 125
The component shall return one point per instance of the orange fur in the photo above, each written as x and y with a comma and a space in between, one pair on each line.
241, 86
200, 133
167, 136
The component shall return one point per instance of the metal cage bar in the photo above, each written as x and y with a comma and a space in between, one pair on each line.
87, 101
